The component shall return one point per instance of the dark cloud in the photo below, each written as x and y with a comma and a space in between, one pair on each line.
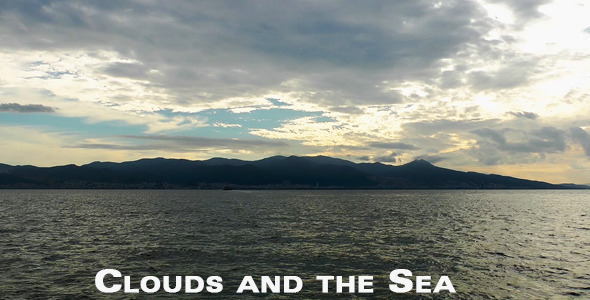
388, 158
495, 141
129, 70
450, 79
545, 140
182, 143
28, 108
393, 145
524, 114
208, 142
376, 35
581, 137
363, 158
491, 134
332, 53
549, 139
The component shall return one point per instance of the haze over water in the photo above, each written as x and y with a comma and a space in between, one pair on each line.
492, 244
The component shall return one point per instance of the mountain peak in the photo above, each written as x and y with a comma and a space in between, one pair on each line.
419, 162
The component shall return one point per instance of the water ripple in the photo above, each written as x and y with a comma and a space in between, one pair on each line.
492, 244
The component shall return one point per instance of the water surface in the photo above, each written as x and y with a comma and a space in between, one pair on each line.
492, 244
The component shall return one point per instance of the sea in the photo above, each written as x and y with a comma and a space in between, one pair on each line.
492, 244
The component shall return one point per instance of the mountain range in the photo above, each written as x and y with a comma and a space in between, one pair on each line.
277, 172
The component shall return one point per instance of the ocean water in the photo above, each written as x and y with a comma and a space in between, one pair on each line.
518, 244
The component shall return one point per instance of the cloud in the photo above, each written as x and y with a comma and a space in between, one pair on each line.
524, 114
363, 158
388, 158
226, 125
27, 108
454, 79
549, 139
526, 10
392, 145
491, 134
126, 69
333, 53
581, 137
450, 79
434, 126
180, 144
544, 140
347, 109
205, 142
129, 147
513, 74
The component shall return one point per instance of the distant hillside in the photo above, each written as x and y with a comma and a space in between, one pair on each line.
277, 172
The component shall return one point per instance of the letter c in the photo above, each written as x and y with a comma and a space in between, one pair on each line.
99, 281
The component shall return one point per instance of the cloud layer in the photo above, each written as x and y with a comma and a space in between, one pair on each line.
467, 84
30, 108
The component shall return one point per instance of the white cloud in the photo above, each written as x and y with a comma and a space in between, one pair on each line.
226, 125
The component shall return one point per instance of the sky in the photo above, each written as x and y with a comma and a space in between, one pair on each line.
498, 86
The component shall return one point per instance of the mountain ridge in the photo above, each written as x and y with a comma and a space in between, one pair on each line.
275, 172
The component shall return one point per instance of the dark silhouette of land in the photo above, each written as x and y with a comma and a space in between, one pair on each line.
277, 172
